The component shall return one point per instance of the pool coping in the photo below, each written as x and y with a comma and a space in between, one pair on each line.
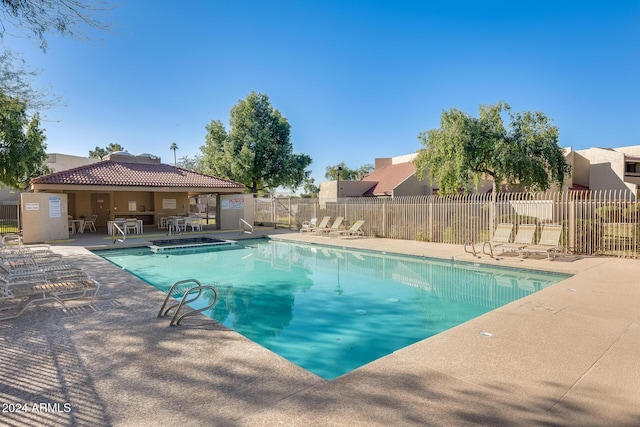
565, 355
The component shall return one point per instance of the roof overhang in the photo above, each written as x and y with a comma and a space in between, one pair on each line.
108, 188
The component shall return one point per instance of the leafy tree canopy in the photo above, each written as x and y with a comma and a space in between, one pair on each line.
525, 151
190, 163
257, 150
16, 82
346, 173
22, 147
100, 152
37, 18
310, 189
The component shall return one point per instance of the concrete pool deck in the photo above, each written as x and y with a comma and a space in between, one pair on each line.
566, 355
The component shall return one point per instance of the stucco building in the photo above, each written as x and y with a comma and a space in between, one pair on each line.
605, 168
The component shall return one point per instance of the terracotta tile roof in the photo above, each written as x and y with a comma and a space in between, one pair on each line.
113, 173
388, 178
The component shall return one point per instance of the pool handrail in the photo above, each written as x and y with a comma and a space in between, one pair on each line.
117, 230
241, 227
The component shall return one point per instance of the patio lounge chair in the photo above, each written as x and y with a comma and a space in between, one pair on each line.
30, 264
17, 294
355, 230
524, 237
310, 225
323, 225
20, 250
334, 227
25, 258
549, 242
11, 239
501, 236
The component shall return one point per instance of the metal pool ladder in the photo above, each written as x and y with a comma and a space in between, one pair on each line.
114, 234
245, 227
181, 286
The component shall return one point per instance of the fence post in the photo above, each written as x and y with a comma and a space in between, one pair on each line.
273, 212
571, 223
384, 219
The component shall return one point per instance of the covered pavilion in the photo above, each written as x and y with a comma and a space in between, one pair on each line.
127, 185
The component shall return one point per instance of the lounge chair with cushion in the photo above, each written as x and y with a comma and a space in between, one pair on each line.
524, 237
355, 230
501, 236
549, 242
309, 225
334, 227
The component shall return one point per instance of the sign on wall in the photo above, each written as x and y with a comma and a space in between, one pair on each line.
54, 207
233, 203
168, 203
32, 206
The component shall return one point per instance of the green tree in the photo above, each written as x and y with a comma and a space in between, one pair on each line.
525, 151
346, 173
22, 147
16, 82
174, 148
190, 163
257, 150
35, 19
100, 152
310, 189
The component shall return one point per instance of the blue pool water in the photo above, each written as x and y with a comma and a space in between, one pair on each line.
332, 310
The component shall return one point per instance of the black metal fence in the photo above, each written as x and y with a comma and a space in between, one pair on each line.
9, 219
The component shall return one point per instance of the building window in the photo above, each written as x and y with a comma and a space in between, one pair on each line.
631, 168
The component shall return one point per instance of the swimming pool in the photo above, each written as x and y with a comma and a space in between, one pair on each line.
332, 310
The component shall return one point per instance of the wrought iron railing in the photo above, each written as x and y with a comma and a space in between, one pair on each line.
603, 222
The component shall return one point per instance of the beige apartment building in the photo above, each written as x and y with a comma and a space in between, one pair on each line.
591, 169
605, 168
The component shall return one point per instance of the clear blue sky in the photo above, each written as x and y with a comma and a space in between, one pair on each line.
355, 79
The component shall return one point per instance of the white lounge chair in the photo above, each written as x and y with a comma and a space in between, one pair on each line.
324, 223
17, 294
355, 230
501, 236
549, 242
334, 227
309, 225
524, 237
11, 240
